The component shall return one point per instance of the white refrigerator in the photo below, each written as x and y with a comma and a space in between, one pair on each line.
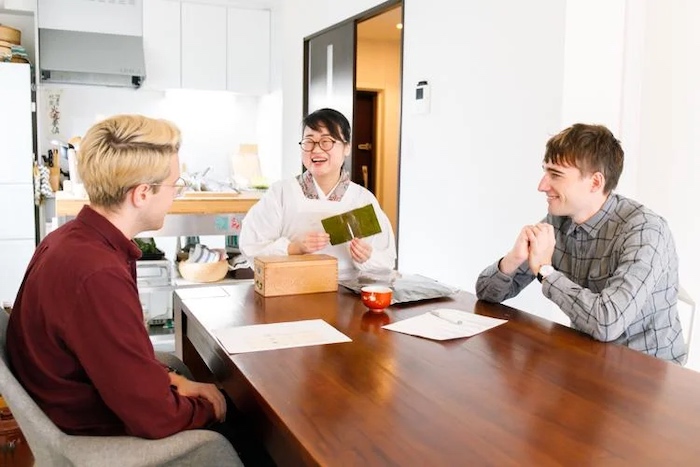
17, 213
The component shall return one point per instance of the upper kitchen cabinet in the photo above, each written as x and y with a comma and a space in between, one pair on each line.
161, 44
248, 51
19, 5
204, 46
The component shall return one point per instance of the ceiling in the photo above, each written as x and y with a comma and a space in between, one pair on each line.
381, 27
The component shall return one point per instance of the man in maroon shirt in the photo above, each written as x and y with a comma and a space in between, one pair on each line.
76, 337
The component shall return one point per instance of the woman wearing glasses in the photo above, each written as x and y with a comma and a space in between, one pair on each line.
287, 220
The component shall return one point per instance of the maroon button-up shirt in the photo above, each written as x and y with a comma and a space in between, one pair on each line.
77, 342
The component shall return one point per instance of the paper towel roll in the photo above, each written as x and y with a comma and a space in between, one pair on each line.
73, 167
245, 165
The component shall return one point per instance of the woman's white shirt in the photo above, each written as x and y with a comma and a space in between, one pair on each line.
284, 215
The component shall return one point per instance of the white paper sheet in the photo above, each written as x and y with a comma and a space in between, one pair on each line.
259, 337
445, 323
201, 292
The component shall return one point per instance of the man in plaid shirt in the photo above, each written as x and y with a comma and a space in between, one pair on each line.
608, 262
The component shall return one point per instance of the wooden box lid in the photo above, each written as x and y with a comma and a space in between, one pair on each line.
295, 260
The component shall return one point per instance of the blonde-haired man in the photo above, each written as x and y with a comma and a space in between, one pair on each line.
76, 338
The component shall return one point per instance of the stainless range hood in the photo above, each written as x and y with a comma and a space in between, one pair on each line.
78, 57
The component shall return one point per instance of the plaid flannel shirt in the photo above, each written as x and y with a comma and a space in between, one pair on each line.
616, 278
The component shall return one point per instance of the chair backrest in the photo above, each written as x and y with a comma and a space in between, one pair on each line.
41, 433
686, 313
52, 447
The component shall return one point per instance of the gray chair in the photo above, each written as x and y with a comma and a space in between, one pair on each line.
52, 447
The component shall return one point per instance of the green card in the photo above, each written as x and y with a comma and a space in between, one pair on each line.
361, 222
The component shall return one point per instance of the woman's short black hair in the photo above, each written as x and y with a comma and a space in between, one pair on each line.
335, 122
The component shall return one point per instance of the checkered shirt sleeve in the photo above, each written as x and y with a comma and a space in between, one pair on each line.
616, 278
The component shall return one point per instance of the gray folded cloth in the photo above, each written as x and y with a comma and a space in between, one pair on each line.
406, 287
201, 254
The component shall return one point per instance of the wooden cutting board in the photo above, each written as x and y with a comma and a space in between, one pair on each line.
211, 194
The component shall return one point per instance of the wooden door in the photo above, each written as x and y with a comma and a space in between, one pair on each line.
364, 161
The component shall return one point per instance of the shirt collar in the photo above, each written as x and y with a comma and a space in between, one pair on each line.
595, 223
311, 189
113, 236
320, 191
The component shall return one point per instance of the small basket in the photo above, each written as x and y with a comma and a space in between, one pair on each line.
11, 35
203, 272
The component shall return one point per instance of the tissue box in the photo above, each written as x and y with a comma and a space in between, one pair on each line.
295, 274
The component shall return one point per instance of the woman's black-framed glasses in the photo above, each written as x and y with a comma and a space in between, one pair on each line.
326, 144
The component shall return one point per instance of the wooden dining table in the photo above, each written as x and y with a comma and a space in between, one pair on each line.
528, 392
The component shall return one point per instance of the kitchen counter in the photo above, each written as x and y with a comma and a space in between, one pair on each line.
196, 213
192, 203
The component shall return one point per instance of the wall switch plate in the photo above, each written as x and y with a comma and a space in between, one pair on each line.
421, 99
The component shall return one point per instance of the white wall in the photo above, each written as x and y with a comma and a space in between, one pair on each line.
213, 124
505, 76
639, 74
669, 172
470, 168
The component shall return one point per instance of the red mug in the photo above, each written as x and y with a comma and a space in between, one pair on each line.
376, 297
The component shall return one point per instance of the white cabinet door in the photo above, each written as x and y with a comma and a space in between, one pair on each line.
105, 17
203, 46
16, 189
20, 5
15, 124
15, 256
17, 213
161, 44
248, 51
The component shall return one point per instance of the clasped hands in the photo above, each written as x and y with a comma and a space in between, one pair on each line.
535, 244
314, 241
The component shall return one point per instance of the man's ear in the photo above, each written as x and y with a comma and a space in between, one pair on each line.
597, 182
138, 195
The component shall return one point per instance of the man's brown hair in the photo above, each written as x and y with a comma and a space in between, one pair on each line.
589, 148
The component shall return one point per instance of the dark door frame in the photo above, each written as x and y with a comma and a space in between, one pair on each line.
365, 15
365, 174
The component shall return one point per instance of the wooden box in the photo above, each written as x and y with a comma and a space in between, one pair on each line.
295, 274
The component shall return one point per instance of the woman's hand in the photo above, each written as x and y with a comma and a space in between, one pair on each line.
360, 250
206, 391
311, 243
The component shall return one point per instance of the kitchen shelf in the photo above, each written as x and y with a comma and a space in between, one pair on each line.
208, 203
180, 283
207, 214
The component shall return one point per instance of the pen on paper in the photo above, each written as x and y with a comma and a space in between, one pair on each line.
449, 320
352, 234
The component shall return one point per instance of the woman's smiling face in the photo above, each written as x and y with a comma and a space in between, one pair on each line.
327, 153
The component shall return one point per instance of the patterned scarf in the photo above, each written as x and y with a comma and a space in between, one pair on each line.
308, 187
